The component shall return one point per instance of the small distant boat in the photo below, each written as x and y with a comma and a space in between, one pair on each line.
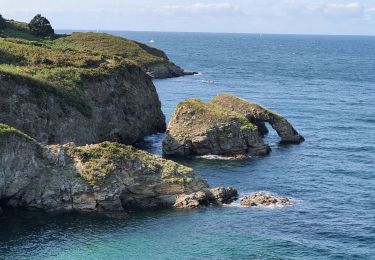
152, 41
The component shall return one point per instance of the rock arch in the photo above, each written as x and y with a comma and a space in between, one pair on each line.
258, 115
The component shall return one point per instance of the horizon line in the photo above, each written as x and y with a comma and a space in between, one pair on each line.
204, 32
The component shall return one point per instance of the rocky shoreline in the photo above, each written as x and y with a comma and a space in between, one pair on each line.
104, 177
69, 114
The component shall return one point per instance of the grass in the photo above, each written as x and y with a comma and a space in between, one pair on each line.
243, 107
62, 64
111, 46
206, 115
100, 161
6, 130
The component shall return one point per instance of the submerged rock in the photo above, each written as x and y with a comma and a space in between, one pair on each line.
201, 128
105, 177
204, 198
259, 115
261, 199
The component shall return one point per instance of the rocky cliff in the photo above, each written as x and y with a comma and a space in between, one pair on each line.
105, 177
60, 95
226, 125
152, 60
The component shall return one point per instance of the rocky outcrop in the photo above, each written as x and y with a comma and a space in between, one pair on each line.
204, 198
163, 70
261, 199
105, 177
203, 128
123, 107
226, 126
259, 115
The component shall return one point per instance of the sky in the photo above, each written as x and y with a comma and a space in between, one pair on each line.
236, 16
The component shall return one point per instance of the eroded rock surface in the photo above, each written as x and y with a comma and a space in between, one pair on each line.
124, 107
105, 177
202, 128
206, 197
260, 115
261, 199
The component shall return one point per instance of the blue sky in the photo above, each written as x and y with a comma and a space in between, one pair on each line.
253, 16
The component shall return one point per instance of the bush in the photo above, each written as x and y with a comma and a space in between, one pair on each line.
40, 26
2, 22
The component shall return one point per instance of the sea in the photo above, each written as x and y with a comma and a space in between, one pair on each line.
324, 85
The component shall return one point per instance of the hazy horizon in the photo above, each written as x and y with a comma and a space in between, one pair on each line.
321, 17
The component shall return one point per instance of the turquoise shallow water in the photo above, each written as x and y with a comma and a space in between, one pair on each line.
324, 85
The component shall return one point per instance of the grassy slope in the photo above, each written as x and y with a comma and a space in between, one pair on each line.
60, 64
100, 160
206, 115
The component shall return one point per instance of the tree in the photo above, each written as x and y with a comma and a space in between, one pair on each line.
40, 26
2, 22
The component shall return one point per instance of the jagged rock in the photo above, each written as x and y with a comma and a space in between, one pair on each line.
123, 107
163, 70
206, 197
259, 115
194, 200
261, 199
105, 177
201, 128
223, 195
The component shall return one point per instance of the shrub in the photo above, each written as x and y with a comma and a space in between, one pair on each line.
40, 26
2, 22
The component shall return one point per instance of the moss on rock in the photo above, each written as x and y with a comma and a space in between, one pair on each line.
201, 116
99, 161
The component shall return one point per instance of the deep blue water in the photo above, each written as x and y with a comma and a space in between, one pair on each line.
324, 85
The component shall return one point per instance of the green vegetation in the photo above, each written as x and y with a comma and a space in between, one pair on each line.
244, 107
112, 46
207, 114
2, 22
6, 130
63, 63
40, 26
99, 161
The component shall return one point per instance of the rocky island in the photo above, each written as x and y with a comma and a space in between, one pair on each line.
226, 126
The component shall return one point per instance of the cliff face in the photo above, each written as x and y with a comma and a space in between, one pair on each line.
123, 107
107, 177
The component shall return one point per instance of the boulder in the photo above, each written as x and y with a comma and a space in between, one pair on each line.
258, 115
204, 128
261, 199
104, 177
223, 195
204, 198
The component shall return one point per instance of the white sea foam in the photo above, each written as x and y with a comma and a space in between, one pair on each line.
223, 158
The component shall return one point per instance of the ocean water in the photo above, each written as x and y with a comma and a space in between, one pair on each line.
324, 85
